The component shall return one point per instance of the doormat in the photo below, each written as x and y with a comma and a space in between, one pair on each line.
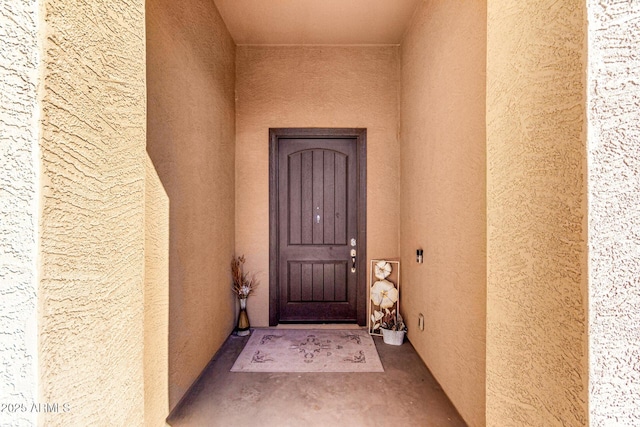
309, 350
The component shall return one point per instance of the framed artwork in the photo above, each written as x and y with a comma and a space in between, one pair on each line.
384, 294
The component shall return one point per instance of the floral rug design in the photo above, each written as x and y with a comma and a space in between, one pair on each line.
309, 350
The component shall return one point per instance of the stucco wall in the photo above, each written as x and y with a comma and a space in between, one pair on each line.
156, 300
191, 128
92, 223
614, 217
536, 214
320, 86
443, 196
19, 62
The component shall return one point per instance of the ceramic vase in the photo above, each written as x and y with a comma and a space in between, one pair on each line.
243, 328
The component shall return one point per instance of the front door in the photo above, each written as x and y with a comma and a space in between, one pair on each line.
317, 225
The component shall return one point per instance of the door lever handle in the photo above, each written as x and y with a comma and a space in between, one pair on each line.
353, 260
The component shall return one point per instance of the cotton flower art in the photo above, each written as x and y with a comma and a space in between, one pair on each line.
375, 319
382, 270
384, 294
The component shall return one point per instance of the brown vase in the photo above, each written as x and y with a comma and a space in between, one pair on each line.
244, 328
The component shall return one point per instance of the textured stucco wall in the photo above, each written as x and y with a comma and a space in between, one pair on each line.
321, 86
92, 220
536, 214
156, 300
442, 208
19, 61
614, 213
191, 132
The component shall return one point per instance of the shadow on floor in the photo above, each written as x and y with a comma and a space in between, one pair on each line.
406, 394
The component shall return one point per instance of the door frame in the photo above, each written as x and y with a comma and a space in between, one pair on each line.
360, 136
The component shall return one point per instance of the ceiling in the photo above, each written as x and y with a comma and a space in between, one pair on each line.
276, 22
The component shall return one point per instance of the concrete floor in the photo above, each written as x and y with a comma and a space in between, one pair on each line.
406, 394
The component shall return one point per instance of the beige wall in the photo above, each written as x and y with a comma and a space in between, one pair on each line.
92, 216
19, 67
443, 196
614, 217
314, 87
156, 299
536, 208
191, 125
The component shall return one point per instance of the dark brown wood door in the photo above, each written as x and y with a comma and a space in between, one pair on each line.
317, 229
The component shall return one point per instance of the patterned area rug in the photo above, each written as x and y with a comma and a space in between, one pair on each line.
309, 350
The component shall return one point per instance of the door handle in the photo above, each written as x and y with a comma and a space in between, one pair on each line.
353, 260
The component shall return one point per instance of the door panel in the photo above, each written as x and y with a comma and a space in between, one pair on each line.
316, 208
317, 281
